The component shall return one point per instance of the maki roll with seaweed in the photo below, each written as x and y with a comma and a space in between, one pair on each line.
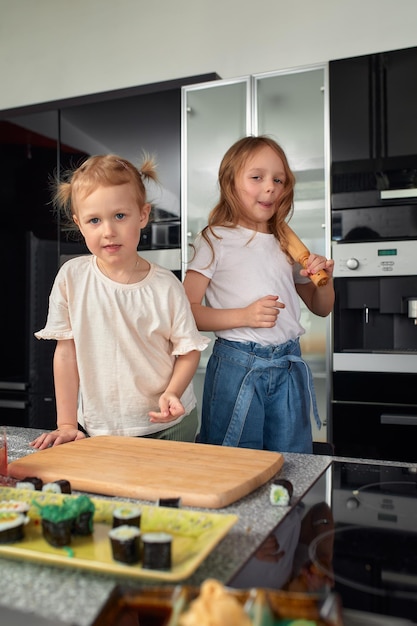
125, 544
156, 548
12, 526
58, 486
127, 515
60, 521
30, 482
281, 492
57, 521
83, 509
174, 503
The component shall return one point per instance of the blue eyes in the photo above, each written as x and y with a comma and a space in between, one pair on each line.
118, 217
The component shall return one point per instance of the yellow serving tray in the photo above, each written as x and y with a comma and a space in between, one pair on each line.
195, 534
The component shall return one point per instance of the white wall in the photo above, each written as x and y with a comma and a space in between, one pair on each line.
53, 49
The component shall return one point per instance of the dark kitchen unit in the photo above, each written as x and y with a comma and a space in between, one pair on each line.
29, 254
373, 408
373, 131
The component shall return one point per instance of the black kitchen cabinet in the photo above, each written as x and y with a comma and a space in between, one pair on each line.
29, 256
36, 143
373, 134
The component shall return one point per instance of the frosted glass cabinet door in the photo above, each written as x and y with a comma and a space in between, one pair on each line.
214, 116
291, 107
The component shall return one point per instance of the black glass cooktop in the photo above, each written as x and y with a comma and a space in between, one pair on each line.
354, 533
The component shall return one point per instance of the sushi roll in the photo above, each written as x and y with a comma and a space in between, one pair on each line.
58, 486
157, 549
30, 482
281, 492
60, 521
127, 515
12, 526
22, 484
14, 506
125, 544
57, 533
174, 503
57, 521
83, 508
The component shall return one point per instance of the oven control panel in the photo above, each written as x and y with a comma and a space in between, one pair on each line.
374, 258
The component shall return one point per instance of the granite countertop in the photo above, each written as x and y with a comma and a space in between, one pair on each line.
76, 596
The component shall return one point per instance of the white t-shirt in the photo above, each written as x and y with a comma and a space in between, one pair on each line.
247, 266
126, 338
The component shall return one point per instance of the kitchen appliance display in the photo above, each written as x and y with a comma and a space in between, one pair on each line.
374, 404
363, 518
376, 292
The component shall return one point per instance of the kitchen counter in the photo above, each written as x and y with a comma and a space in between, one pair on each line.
76, 596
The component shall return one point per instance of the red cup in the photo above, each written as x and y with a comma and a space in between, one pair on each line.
3, 452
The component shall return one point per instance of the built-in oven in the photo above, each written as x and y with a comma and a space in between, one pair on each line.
374, 361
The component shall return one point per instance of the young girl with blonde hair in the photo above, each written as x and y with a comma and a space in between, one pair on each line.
127, 344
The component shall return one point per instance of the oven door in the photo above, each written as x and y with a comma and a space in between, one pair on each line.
374, 415
383, 223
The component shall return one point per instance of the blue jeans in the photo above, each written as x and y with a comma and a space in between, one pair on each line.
258, 397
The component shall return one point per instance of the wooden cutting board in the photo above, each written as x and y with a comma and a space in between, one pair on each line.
201, 475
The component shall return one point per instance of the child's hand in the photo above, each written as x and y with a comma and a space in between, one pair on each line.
56, 437
315, 262
170, 409
263, 313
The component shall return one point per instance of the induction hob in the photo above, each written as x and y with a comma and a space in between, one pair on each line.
355, 534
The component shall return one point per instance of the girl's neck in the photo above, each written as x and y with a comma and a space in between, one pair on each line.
262, 227
136, 271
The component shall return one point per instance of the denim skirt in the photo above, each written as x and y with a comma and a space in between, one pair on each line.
259, 397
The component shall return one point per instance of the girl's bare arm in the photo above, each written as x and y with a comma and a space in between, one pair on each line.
320, 300
66, 381
170, 401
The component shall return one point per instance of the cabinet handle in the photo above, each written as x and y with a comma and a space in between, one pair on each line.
405, 420
8, 386
12, 404
394, 194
